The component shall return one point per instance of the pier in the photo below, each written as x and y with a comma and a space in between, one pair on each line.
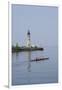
39, 59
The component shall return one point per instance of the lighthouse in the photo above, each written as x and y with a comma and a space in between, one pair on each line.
28, 39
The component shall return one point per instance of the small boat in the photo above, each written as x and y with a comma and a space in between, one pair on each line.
39, 59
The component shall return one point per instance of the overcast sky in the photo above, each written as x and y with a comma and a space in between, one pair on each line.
42, 21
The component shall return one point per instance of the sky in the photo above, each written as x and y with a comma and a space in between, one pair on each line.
42, 21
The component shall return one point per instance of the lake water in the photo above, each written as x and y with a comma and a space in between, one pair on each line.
36, 72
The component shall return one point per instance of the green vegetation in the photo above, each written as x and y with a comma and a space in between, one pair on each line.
17, 48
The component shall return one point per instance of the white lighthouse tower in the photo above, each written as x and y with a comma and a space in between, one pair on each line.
28, 39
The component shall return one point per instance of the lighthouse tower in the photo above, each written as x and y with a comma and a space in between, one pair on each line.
28, 39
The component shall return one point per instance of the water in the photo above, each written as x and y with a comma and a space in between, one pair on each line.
40, 72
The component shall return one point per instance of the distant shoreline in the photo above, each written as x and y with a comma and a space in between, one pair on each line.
19, 49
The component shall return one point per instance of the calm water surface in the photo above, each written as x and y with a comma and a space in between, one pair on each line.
40, 72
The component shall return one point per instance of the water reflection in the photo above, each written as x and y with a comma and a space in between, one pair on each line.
29, 58
26, 72
17, 55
